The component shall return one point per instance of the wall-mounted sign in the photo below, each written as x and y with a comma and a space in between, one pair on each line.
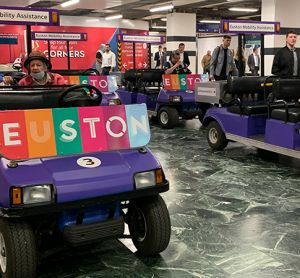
7, 38
141, 38
59, 36
105, 84
65, 131
249, 27
208, 28
28, 16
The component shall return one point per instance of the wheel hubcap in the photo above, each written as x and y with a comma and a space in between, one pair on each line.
141, 225
164, 117
213, 135
3, 259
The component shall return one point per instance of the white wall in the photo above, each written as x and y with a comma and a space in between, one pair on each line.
210, 43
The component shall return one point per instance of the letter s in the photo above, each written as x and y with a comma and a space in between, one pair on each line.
69, 133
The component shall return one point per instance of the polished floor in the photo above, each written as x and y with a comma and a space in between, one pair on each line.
234, 214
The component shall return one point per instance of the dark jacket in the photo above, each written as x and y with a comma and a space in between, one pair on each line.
186, 60
283, 63
251, 62
158, 59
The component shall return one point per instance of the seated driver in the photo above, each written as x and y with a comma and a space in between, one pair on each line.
174, 65
37, 65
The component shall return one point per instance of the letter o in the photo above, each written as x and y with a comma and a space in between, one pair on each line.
110, 132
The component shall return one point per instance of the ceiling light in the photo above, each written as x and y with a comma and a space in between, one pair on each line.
111, 17
93, 20
153, 33
209, 21
163, 19
242, 10
159, 27
69, 3
162, 8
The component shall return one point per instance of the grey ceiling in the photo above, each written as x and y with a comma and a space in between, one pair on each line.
139, 9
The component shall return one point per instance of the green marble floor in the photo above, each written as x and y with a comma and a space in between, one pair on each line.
233, 214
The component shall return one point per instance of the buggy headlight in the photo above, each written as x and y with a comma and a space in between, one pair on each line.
32, 194
175, 98
114, 101
149, 178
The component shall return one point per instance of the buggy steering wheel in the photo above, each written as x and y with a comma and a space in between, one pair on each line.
93, 93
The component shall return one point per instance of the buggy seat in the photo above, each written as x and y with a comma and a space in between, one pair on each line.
287, 90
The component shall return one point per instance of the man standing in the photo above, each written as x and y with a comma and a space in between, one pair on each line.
158, 58
205, 62
286, 62
254, 62
99, 57
184, 57
108, 60
222, 64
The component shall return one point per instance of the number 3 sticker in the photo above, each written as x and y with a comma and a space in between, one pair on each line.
89, 162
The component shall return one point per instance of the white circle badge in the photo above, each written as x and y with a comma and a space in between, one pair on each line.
89, 162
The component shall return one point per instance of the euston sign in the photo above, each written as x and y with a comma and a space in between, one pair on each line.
250, 27
182, 81
39, 133
28, 16
105, 84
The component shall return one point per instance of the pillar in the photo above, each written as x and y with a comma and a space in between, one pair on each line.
181, 28
287, 13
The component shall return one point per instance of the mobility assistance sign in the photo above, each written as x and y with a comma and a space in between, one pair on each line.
28, 16
250, 27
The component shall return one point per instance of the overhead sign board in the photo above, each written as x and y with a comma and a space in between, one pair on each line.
28, 16
141, 38
208, 28
250, 27
59, 36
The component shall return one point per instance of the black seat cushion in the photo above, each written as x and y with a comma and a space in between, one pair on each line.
248, 109
256, 109
293, 115
286, 88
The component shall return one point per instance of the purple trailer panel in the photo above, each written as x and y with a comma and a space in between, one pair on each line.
282, 134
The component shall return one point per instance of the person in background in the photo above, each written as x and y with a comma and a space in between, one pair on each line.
99, 55
158, 58
222, 64
184, 57
254, 62
286, 63
174, 65
38, 65
205, 62
108, 61
240, 61
164, 57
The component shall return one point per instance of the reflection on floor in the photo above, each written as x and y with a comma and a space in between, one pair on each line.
233, 214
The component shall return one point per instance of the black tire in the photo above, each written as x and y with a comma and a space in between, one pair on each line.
215, 136
168, 117
18, 247
149, 225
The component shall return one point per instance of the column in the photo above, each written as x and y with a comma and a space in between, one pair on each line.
181, 28
287, 13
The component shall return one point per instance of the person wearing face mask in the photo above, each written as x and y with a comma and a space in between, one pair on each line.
37, 65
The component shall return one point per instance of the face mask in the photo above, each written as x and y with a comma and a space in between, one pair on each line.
38, 76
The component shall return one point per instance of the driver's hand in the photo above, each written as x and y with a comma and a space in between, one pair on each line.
8, 80
178, 63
